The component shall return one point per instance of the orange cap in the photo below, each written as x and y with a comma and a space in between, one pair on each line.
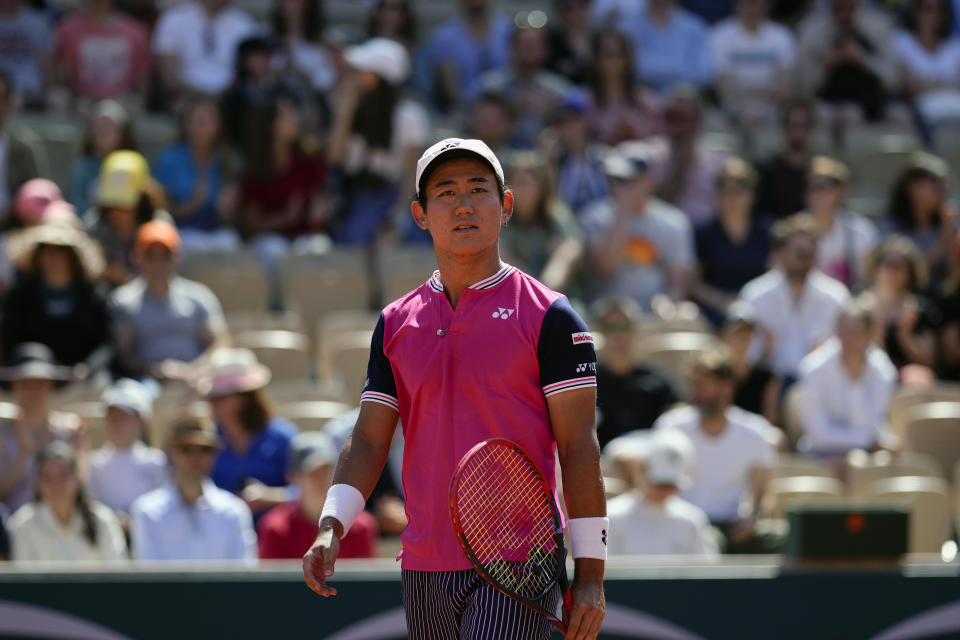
158, 232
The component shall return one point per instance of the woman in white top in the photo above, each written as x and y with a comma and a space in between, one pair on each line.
62, 524
929, 59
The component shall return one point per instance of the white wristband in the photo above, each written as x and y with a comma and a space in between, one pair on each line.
588, 537
344, 502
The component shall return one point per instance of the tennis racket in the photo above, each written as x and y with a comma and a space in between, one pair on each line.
508, 525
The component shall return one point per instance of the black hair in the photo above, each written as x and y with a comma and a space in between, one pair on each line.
449, 156
946, 23
313, 20
373, 119
900, 207
62, 451
628, 79
409, 29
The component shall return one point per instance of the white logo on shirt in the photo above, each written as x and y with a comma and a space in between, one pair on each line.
502, 313
582, 338
583, 366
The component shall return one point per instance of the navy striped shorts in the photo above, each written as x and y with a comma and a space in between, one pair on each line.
461, 605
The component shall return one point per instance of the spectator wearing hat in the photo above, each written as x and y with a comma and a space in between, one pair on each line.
847, 384
62, 524
758, 388
199, 180
457, 52
534, 92
108, 129
254, 460
845, 239
734, 451
734, 247
195, 43
32, 374
376, 139
163, 323
57, 300
21, 152
639, 246
189, 519
127, 198
288, 530
652, 519
124, 468
30, 204
630, 396
782, 190
794, 304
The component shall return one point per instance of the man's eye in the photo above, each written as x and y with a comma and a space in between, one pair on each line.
479, 190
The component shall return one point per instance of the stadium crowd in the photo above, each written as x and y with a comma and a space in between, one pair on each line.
750, 200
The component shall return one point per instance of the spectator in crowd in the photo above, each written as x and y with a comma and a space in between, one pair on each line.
758, 389
288, 530
4, 535
189, 518
459, 51
533, 92
733, 248
282, 192
108, 130
733, 452
577, 162
30, 206
254, 460
21, 156
949, 334
298, 27
671, 46
56, 299
163, 324
31, 375
905, 320
754, 61
127, 198
639, 246
570, 47
795, 304
919, 209
542, 237
254, 87
783, 177
847, 385
630, 395
102, 53
195, 43
928, 54
376, 139
62, 524
394, 19
491, 120
125, 468
687, 176
613, 13
198, 178
26, 41
846, 61
845, 239
669, 524
620, 109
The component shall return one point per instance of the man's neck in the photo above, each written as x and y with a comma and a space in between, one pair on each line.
853, 364
190, 490
824, 219
713, 423
459, 272
159, 288
796, 156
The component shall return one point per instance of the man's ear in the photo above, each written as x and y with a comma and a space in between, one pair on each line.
507, 209
419, 215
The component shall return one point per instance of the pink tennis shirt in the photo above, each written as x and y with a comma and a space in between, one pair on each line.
458, 377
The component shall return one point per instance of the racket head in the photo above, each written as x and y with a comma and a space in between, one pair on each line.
507, 522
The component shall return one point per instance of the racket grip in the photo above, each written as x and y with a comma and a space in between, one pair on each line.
567, 609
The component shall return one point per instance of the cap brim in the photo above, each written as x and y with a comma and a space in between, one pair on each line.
445, 156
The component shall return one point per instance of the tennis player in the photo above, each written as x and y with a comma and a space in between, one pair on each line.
480, 350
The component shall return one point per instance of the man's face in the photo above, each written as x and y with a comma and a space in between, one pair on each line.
681, 118
463, 212
707, 391
192, 462
854, 337
619, 332
157, 262
798, 255
31, 392
797, 129
474, 6
752, 10
530, 48
824, 193
491, 123
314, 484
122, 427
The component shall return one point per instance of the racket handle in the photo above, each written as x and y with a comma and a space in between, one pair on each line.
565, 612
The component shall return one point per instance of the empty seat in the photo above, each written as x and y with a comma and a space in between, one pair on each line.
791, 465
317, 284
348, 359
782, 492
675, 351
929, 502
863, 469
334, 325
235, 277
263, 320
286, 353
905, 399
934, 429
312, 414
402, 270
305, 390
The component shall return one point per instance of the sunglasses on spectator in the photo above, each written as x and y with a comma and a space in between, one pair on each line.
893, 262
822, 184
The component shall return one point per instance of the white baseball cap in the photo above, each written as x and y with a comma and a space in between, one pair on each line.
669, 459
131, 396
477, 147
387, 58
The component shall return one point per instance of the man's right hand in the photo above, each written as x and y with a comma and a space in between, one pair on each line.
318, 561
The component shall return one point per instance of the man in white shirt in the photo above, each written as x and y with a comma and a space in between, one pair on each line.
652, 519
847, 386
196, 44
794, 304
124, 468
190, 519
734, 451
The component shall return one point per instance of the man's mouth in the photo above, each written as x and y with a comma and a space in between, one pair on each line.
465, 227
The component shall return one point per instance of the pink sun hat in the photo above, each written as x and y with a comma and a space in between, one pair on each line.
34, 197
232, 371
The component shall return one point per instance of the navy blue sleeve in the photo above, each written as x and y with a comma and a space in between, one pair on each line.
565, 351
380, 385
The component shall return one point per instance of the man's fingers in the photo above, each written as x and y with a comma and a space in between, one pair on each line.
596, 621
326, 562
573, 627
315, 574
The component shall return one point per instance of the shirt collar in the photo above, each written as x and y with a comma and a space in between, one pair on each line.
487, 283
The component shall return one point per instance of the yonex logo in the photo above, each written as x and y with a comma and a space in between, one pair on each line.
583, 366
502, 313
604, 534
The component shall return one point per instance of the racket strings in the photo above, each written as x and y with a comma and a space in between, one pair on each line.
507, 519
